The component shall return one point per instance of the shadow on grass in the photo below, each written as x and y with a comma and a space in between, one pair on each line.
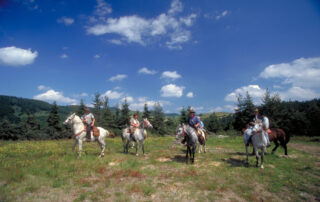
235, 162
179, 158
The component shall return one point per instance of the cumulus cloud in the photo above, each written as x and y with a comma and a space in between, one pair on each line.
190, 95
65, 20
303, 76
171, 90
43, 87
135, 29
170, 75
304, 72
254, 90
128, 98
112, 94
96, 56
102, 9
52, 95
13, 56
118, 77
145, 70
140, 102
298, 93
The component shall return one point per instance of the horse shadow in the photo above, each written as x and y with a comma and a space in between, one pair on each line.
235, 162
179, 158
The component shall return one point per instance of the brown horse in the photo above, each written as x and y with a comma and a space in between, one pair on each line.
278, 135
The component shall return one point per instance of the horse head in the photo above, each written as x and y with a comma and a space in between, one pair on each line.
180, 131
69, 119
146, 123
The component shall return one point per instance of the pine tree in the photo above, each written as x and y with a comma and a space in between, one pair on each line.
81, 109
107, 118
117, 117
146, 112
183, 116
125, 114
97, 105
244, 111
53, 121
158, 119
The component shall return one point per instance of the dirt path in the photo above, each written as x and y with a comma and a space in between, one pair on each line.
315, 150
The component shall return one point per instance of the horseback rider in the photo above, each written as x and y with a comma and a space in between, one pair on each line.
248, 133
134, 124
260, 119
89, 120
265, 122
201, 124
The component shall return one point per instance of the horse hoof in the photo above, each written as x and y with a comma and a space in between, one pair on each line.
262, 167
137, 154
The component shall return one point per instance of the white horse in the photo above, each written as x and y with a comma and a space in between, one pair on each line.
259, 141
191, 139
140, 134
201, 146
80, 133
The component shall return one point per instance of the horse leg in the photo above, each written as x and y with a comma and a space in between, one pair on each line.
142, 146
188, 148
284, 145
275, 148
80, 148
204, 146
136, 148
247, 155
102, 146
127, 147
262, 156
194, 148
257, 156
199, 150
74, 144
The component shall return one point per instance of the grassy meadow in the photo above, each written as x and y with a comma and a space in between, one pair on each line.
50, 171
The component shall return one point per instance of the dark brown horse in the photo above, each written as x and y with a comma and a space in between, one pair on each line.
278, 135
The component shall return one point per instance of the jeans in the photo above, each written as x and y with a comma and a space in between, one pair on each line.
267, 137
89, 128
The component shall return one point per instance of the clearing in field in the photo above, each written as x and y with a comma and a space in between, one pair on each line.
49, 171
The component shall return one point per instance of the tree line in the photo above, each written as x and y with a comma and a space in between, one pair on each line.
296, 118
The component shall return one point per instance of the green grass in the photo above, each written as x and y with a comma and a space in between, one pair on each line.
50, 171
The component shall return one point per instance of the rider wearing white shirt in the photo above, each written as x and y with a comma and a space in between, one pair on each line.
265, 122
134, 124
89, 120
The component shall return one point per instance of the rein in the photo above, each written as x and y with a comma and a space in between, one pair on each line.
75, 135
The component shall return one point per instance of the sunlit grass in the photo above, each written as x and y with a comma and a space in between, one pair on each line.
49, 170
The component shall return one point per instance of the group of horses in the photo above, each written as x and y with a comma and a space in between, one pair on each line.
258, 139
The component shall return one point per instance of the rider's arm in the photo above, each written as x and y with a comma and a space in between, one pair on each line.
93, 121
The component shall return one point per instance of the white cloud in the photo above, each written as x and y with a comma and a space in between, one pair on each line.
112, 94
96, 56
254, 90
171, 90
223, 14
128, 98
65, 20
118, 77
190, 95
304, 72
141, 30
102, 9
52, 95
139, 104
64, 56
170, 75
145, 70
43, 87
298, 93
13, 56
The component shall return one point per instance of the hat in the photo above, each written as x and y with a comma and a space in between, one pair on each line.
256, 110
191, 110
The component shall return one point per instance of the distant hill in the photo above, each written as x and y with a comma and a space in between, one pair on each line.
218, 114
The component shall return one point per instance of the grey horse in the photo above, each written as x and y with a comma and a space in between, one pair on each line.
139, 136
191, 138
259, 141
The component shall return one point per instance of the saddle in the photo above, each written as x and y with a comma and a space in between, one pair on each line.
201, 136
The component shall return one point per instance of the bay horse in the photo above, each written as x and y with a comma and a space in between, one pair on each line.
79, 131
278, 135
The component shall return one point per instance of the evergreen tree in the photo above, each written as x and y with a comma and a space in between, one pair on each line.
117, 117
125, 114
81, 109
183, 116
146, 112
54, 128
158, 119
244, 111
271, 108
31, 127
108, 118
97, 105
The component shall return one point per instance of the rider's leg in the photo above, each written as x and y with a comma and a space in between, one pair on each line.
267, 137
89, 128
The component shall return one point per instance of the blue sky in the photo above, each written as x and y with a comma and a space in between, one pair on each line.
179, 53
